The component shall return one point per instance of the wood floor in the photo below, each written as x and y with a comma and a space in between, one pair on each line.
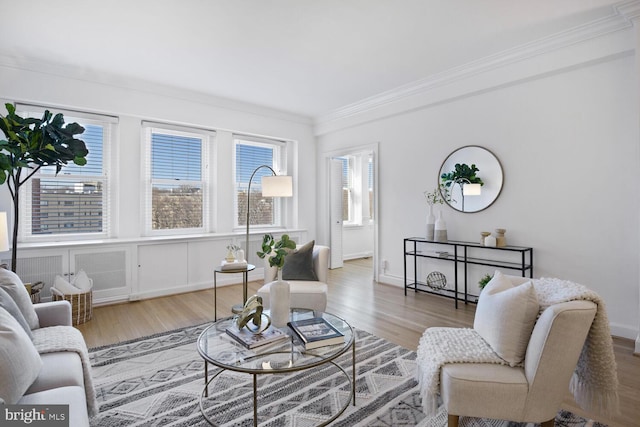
379, 309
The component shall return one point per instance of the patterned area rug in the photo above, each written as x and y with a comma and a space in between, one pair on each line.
157, 381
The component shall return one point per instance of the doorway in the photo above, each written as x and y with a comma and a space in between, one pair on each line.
353, 200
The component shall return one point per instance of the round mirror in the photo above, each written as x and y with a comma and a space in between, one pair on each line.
470, 179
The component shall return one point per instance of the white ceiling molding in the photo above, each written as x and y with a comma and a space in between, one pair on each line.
142, 86
594, 41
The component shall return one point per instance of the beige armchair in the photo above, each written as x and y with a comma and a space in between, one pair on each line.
529, 393
311, 294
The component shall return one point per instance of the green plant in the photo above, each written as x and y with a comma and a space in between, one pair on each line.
433, 197
277, 249
31, 144
461, 174
484, 280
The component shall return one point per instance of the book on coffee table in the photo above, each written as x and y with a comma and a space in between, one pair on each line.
316, 332
251, 340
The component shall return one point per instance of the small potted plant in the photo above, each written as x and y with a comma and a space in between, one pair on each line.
484, 280
231, 252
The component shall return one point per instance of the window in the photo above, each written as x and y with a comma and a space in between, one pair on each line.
176, 190
51, 205
347, 189
251, 153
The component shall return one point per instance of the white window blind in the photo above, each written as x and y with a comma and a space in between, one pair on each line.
75, 203
176, 180
250, 154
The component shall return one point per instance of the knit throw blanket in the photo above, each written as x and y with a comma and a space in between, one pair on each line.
66, 338
594, 383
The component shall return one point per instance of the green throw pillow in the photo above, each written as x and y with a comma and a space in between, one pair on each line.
298, 265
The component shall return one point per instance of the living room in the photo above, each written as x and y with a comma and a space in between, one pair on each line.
557, 102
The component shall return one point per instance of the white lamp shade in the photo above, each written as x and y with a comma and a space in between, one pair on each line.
277, 186
471, 189
4, 233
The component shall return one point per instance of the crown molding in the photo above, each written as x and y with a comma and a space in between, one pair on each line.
144, 86
621, 18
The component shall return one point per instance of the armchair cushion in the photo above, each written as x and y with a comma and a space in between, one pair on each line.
11, 283
505, 317
298, 264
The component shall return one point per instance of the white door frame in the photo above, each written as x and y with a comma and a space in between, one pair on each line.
373, 148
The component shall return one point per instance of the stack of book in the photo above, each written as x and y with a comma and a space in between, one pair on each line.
233, 265
251, 340
316, 332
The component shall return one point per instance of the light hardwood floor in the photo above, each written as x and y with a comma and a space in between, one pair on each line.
380, 309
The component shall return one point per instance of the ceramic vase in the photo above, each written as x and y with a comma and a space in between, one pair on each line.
280, 301
431, 222
490, 241
500, 239
440, 229
483, 235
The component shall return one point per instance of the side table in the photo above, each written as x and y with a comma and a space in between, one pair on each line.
245, 277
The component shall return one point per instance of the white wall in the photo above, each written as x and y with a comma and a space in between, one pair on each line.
568, 141
133, 102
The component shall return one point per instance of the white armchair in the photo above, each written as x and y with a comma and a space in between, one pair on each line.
304, 293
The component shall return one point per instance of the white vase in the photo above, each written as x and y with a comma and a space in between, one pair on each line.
440, 229
431, 222
240, 255
279, 303
490, 241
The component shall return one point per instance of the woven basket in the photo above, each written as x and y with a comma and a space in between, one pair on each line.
81, 305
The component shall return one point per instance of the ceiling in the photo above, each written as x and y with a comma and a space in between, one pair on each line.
308, 57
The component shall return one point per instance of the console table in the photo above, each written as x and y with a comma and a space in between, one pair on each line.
467, 253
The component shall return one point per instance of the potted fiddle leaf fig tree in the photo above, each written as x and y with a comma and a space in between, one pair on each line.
30, 144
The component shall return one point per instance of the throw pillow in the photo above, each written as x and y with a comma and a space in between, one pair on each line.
11, 283
62, 285
10, 306
82, 281
21, 363
505, 317
298, 265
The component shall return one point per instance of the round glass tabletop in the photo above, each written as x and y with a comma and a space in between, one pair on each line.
216, 346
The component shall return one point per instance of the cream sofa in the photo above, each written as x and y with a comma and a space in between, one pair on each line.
43, 365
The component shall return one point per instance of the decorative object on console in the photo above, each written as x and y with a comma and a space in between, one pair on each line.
432, 198
436, 280
484, 280
501, 241
440, 229
490, 241
483, 235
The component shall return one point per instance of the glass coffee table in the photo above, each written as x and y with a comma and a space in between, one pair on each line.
288, 355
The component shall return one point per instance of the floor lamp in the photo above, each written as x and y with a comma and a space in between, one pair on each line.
272, 186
